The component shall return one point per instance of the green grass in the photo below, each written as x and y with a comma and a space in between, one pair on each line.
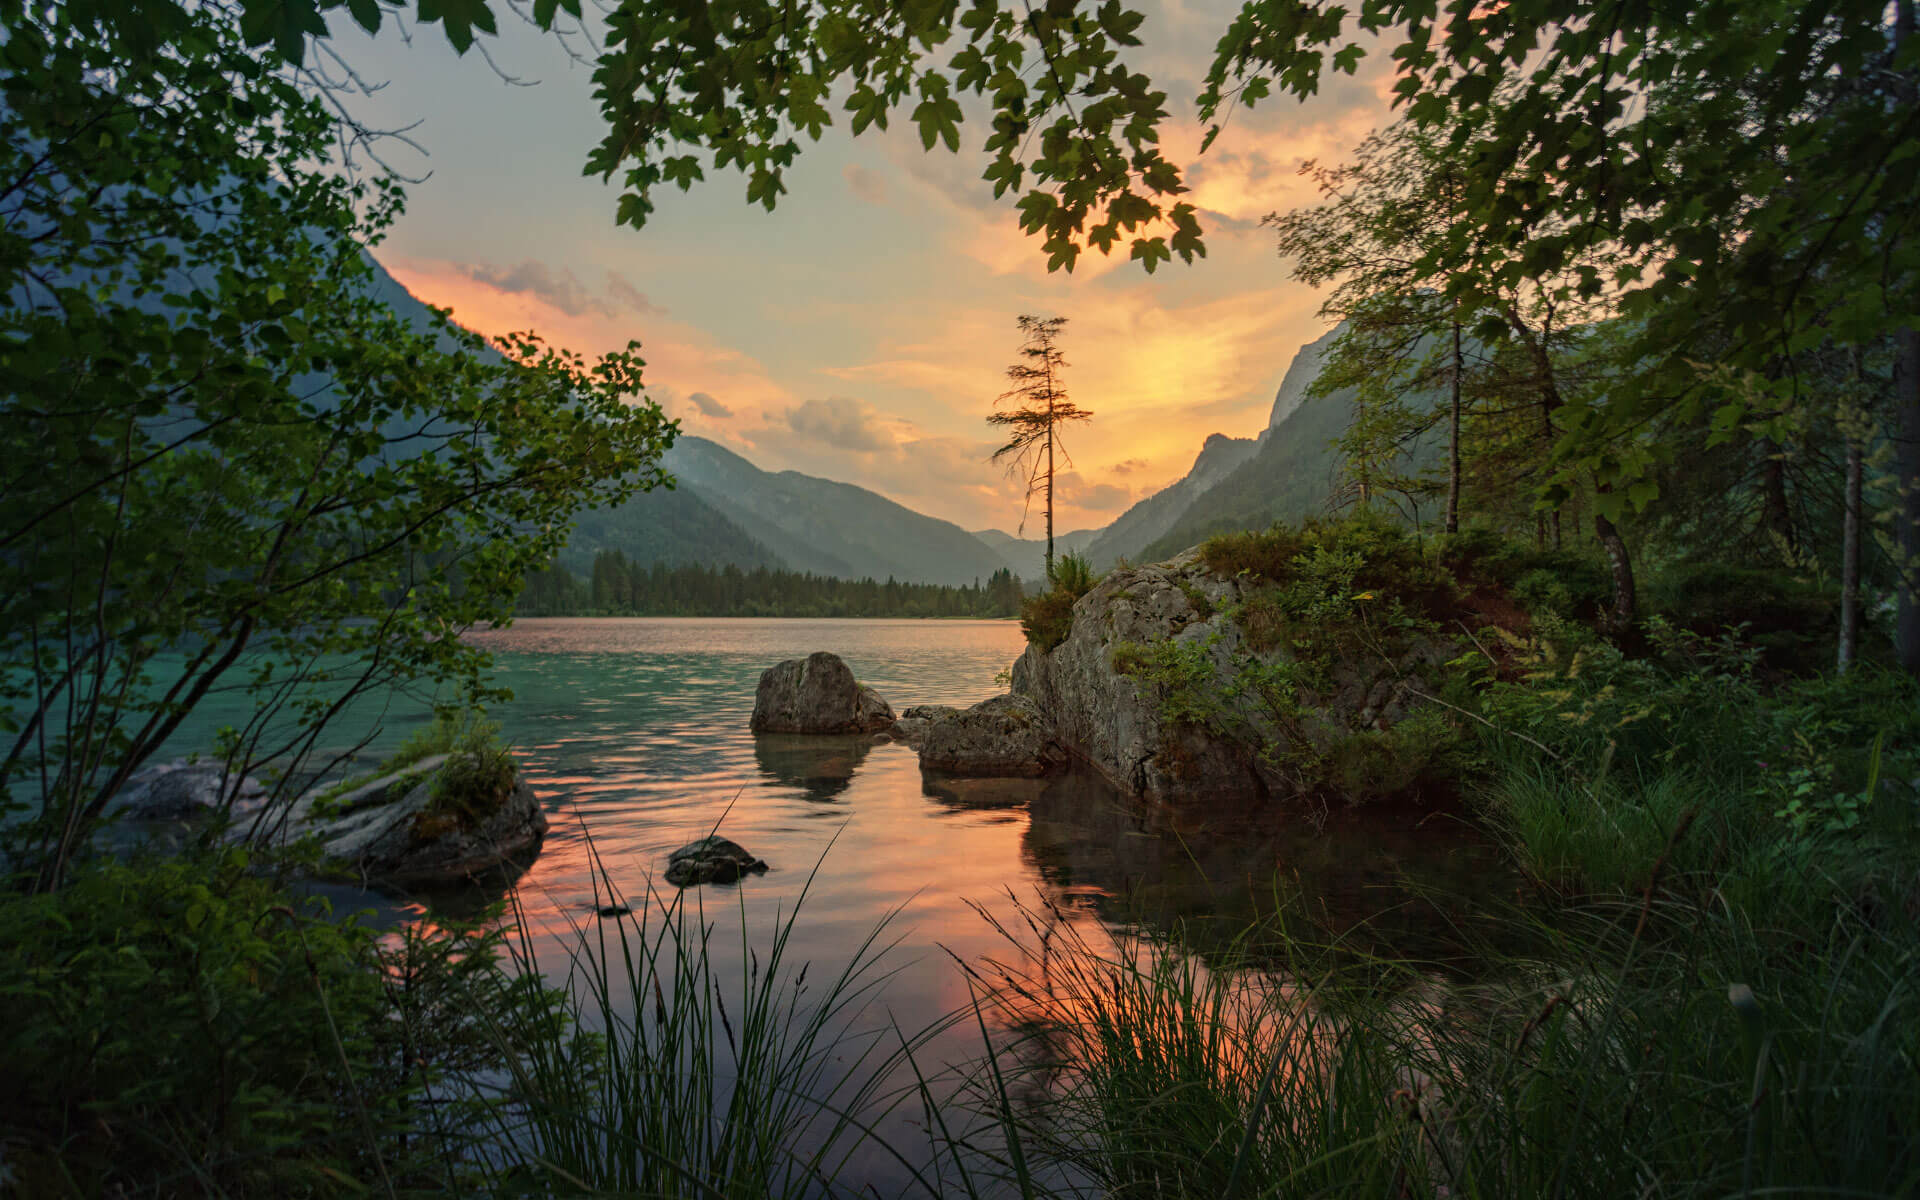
699, 1081
1644, 1044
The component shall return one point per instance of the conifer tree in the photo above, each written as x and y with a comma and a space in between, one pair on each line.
1033, 409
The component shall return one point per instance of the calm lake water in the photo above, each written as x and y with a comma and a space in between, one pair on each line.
634, 733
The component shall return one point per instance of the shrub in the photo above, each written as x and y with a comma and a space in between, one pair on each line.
1047, 618
472, 783
1792, 620
184, 1027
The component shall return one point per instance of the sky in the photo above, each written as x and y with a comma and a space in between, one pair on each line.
862, 330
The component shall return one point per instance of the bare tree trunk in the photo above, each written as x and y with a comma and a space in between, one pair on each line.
1850, 562
1625, 597
1049, 477
1906, 514
1453, 442
1774, 513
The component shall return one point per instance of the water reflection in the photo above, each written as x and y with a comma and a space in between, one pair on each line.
634, 733
820, 765
1377, 880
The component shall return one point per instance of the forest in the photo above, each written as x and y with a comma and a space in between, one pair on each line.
619, 588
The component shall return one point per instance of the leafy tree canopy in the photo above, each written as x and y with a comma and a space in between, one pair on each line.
232, 474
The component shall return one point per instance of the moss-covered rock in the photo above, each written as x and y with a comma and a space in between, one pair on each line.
1274, 665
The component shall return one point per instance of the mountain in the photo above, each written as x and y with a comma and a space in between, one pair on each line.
673, 526
830, 528
1153, 517
1028, 556
1285, 473
1301, 373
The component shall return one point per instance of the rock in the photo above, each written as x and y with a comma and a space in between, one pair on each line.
710, 860
392, 829
613, 910
179, 791
914, 723
1108, 709
1005, 735
817, 694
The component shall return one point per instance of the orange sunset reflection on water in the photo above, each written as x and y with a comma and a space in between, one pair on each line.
634, 734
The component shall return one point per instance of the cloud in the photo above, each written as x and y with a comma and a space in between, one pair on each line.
1072, 489
708, 405
632, 299
563, 290
1129, 466
842, 421
867, 184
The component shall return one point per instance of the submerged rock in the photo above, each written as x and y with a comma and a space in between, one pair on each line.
817, 694
711, 860
181, 791
1004, 735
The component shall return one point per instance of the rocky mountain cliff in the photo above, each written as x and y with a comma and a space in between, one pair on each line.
1152, 518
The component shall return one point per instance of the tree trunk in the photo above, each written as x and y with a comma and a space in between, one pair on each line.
1774, 513
1625, 598
1049, 490
1850, 562
1906, 513
1453, 442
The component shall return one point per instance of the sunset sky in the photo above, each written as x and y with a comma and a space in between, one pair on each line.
860, 331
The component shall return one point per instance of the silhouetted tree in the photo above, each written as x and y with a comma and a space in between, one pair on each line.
1039, 406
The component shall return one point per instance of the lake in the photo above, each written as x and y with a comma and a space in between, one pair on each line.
634, 733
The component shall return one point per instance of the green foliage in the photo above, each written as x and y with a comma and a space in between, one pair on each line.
226, 458
1326, 585
1632, 1042
1786, 795
1047, 618
1790, 618
185, 1027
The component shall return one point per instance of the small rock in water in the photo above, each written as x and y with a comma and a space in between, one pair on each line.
710, 860
613, 910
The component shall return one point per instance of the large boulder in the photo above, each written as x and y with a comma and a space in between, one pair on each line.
1003, 736
401, 829
1161, 689
817, 694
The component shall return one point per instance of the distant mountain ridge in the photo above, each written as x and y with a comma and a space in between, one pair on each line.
1153, 517
1289, 471
830, 528
1028, 556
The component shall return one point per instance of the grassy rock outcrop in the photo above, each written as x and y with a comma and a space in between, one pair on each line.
1296, 664
437, 820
